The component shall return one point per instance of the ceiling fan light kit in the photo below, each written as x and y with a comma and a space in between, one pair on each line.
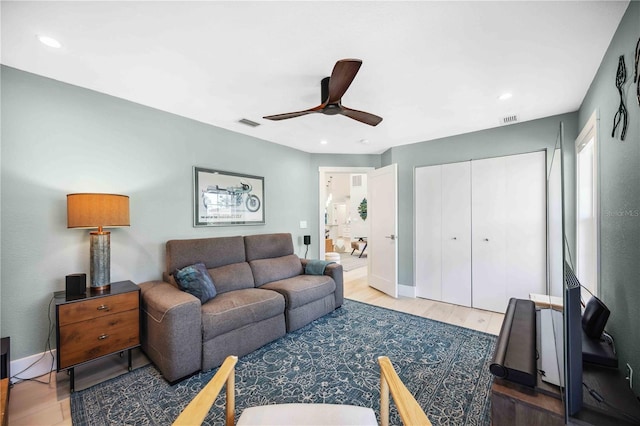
332, 89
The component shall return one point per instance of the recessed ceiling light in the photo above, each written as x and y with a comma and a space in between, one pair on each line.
364, 141
323, 142
505, 96
48, 41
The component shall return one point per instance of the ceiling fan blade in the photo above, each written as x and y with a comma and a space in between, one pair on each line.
293, 114
361, 116
342, 75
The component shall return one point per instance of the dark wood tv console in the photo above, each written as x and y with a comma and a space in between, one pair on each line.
519, 396
615, 391
514, 404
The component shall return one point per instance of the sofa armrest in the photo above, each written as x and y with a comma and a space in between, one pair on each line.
171, 329
334, 270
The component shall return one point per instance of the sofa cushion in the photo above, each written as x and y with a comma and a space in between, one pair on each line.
268, 270
302, 289
267, 246
213, 252
195, 280
235, 309
236, 276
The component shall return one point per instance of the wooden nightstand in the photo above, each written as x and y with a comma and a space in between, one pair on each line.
96, 324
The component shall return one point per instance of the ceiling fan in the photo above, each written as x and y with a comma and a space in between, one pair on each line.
332, 90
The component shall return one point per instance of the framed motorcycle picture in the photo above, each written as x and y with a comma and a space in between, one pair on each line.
224, 199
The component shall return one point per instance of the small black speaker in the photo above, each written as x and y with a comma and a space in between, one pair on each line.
76, 285
307, 240
595, 317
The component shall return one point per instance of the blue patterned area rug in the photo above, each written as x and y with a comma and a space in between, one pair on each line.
332, 360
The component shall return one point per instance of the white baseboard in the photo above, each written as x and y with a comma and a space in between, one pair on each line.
42, 364
406, 291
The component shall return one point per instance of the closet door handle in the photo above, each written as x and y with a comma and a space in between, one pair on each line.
455, 238
486, 239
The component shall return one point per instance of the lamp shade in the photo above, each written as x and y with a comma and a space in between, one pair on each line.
97, 210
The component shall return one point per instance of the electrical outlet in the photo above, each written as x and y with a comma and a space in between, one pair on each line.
629, 375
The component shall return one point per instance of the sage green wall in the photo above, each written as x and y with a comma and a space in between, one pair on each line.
58, 138
513, 139
619, 168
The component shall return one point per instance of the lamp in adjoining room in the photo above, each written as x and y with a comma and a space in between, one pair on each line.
98, 211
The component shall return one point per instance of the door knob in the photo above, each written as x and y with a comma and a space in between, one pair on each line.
392, 237
455, 238
486, 239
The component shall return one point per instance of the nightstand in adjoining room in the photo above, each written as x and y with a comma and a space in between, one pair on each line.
96, 324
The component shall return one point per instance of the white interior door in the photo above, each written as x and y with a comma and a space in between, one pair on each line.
526, 225
382, 214
489, 207
456, 233
555, 243
508, 229
428, 232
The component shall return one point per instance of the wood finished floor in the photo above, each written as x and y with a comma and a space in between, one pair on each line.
34, 403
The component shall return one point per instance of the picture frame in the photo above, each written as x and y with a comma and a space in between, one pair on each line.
222, 198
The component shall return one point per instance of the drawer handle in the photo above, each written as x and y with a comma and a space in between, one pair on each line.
103, 308
102, 337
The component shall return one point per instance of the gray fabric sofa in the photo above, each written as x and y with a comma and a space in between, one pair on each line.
263, 293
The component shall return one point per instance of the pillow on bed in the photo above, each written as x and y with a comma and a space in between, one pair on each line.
195, 280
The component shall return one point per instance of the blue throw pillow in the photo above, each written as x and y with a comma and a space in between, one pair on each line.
195, 280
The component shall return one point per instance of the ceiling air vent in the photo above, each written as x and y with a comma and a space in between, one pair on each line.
509, 119
248, 122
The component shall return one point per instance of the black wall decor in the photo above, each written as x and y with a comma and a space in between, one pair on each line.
635, 76
621, 115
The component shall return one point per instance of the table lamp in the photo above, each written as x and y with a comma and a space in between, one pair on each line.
98, 211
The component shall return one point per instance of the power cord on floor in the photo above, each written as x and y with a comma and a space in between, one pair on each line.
595, 395
47, 348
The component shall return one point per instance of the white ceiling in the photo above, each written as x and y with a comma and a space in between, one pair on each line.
430, 69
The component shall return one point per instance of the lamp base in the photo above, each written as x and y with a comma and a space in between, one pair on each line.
102, 289
100, 261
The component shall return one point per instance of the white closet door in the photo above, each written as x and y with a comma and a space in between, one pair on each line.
526, 225
456, 233
428, 228
489, 245
509, 229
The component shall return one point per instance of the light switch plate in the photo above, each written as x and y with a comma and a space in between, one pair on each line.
303, 224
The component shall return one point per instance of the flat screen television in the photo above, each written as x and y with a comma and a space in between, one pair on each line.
562, 281
572, 343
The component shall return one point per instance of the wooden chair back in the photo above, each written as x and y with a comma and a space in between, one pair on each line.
198, 408
410, 411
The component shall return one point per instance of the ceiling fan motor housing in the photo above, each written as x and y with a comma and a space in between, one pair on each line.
324, 89
330, 109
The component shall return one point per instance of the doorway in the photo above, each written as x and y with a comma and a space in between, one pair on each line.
342, 195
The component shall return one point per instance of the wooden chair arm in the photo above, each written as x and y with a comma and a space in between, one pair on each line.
410, 411
198, 408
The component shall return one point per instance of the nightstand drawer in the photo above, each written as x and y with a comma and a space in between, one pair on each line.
96, 308
80, 342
